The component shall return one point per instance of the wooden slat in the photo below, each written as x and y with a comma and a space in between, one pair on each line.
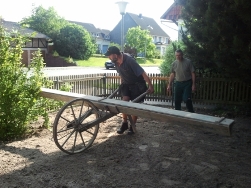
248, 94
236, 91
225, 92
242, 92
215, 89
211, 123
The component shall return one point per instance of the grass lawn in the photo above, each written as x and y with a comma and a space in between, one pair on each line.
100, 61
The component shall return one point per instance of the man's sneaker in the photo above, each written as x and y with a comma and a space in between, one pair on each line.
123, 128
130, 131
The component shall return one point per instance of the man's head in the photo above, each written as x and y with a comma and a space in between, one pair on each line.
179, 55
113, 52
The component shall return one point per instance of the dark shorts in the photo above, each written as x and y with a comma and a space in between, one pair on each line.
133, 90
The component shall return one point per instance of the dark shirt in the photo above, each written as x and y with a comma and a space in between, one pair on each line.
130, 71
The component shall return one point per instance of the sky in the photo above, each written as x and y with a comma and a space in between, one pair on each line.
104, 14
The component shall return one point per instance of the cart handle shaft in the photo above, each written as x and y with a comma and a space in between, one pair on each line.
139, 97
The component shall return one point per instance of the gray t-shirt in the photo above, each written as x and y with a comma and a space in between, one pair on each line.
130, 71
183, 70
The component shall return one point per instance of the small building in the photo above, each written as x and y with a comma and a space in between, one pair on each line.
173, 13
37, 40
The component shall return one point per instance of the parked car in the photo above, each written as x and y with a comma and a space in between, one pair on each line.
109, 64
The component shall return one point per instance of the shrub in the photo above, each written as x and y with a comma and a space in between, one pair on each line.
55, 54
19, 86
69, 60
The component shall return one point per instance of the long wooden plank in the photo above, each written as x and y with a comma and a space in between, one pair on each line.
215, 124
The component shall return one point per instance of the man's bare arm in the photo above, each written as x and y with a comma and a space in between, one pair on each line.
147, 79
171, 78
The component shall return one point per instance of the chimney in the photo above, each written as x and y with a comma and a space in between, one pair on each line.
140, 15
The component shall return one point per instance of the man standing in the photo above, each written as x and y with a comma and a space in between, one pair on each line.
133, 81
183, 71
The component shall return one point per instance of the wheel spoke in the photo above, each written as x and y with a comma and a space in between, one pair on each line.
74, 145
82, 138
80, 112
67, 138
64, 130
73, 113
67, 124
65, 119
89, 132
61, 131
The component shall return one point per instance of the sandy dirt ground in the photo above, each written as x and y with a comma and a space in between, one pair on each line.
161, 154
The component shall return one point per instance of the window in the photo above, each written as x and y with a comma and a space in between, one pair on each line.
155, 39
107, 37
28, 44
167, 40
35, 43
160, 39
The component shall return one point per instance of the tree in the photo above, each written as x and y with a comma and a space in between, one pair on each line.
218, 35
73, 40
141, 40
45, 21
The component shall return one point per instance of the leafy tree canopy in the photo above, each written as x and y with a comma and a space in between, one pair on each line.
218, 35
45, 21
141, 40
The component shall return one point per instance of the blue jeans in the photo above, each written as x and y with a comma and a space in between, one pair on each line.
183, 92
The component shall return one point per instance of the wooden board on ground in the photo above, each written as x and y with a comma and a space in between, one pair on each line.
218, 125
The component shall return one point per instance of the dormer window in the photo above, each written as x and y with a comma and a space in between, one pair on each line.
107, 37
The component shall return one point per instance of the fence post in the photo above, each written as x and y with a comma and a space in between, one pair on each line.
173, 85
56, 83
104, 84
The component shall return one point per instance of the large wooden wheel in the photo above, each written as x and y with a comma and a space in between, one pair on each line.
75, 127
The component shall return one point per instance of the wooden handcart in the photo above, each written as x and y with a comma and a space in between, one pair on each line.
76, 124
